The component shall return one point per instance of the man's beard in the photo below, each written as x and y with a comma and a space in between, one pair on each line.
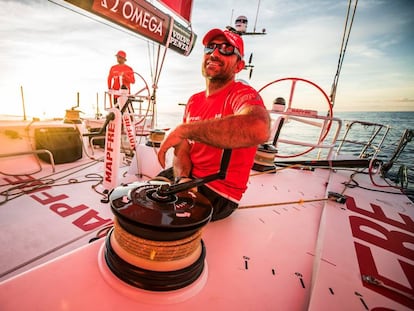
220, 77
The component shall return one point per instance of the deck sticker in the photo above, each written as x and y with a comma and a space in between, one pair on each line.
300, 276
370, 245
112, 150
246, 262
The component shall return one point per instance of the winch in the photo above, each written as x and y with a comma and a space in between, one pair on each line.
156, 243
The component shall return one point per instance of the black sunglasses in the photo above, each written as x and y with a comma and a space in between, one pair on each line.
224, 49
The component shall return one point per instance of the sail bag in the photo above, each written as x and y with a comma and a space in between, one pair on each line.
63, 142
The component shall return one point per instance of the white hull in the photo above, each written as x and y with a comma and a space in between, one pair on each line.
288, 247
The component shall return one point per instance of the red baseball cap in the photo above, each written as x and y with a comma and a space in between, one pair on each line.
233, 38
121, 54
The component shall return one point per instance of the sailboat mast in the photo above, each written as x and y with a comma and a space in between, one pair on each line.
257, 14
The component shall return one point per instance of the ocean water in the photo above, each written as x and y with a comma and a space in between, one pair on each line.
398, 122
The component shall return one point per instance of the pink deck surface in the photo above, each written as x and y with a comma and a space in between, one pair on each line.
258, 258
373, 234
290, 255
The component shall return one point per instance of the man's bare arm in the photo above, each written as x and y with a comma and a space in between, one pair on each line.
247, 128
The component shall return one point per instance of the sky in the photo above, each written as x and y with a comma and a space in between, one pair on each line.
49, 54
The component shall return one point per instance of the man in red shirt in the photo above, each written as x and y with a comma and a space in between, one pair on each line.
226, 115
120, 75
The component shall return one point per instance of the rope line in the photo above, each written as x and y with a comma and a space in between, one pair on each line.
344, 44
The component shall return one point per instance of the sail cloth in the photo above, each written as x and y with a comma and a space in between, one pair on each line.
145, 19
181, 7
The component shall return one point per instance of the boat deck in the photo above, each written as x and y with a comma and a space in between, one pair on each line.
291, 244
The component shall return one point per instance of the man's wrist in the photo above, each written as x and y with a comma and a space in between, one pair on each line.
185, 130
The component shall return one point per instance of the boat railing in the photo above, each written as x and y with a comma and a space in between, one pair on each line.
327, 131
364, 138
38, 151
143, 115
140, 108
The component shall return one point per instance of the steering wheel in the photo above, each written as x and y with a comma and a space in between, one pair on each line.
142, 95
290, 100
143, 92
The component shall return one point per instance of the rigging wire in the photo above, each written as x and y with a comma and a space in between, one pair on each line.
155, 73
352, 183
344, 44
27, 186
257, 14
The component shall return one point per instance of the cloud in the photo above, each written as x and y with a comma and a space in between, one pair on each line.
55, 52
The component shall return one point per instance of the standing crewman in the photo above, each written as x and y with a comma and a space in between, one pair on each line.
121, 76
